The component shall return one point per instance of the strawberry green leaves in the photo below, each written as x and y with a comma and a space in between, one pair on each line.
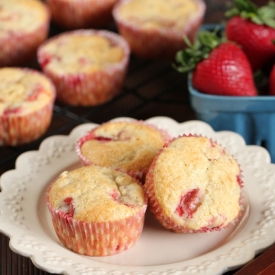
264, 15
188, 58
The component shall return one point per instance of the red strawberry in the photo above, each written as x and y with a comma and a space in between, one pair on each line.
219, 68
272, 81
225, 72
254, 30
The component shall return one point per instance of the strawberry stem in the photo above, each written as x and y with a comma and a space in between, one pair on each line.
264, 15
188, 58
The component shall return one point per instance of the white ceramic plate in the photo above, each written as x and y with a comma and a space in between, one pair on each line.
25, 219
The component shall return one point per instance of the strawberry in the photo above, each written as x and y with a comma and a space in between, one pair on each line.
272, 81
254, 30
219, 67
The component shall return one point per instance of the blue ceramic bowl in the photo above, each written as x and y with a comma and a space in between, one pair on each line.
251, 117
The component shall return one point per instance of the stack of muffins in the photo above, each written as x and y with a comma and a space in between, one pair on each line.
192, 185
105, 197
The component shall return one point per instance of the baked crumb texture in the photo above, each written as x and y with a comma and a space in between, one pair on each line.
24, 25
155, 28
77, 14
26, 105
129, 146
194, 185
88, 67
97, 211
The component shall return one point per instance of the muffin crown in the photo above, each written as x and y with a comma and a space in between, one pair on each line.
96, 194
24, 91
126, 145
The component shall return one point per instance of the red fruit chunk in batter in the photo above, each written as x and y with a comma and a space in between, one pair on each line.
213, 144
239, 180
75, 80
121, 136
12, 111
83, 61
189, 203
69, 204
103, 139
36, 92
46, 59
114, 195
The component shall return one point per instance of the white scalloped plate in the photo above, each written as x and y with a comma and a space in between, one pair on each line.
25, 219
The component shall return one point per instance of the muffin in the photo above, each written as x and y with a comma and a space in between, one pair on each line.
78, 14
194, 185
87, 67
129, 146
26, 105
24, 26
155, 28
96, 211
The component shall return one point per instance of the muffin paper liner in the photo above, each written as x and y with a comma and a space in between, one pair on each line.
97, 238
19, 48
20, 129
17, 129
79, 14
157, 43
89, 89
166, 221
140, 175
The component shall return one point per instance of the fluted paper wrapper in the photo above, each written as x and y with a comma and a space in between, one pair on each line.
97, 238
79, 14
20, 129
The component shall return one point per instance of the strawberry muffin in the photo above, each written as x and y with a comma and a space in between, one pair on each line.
87, 66
26, 105
155, 28
129, 146
78, 14
194, 185
97, 211
24, 25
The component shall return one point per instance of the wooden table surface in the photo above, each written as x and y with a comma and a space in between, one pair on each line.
151, 88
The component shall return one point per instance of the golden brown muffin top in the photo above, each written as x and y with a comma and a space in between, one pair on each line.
97, 194
23, 91
130, 146
195, 180
154, 14
78, 52
21, 16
